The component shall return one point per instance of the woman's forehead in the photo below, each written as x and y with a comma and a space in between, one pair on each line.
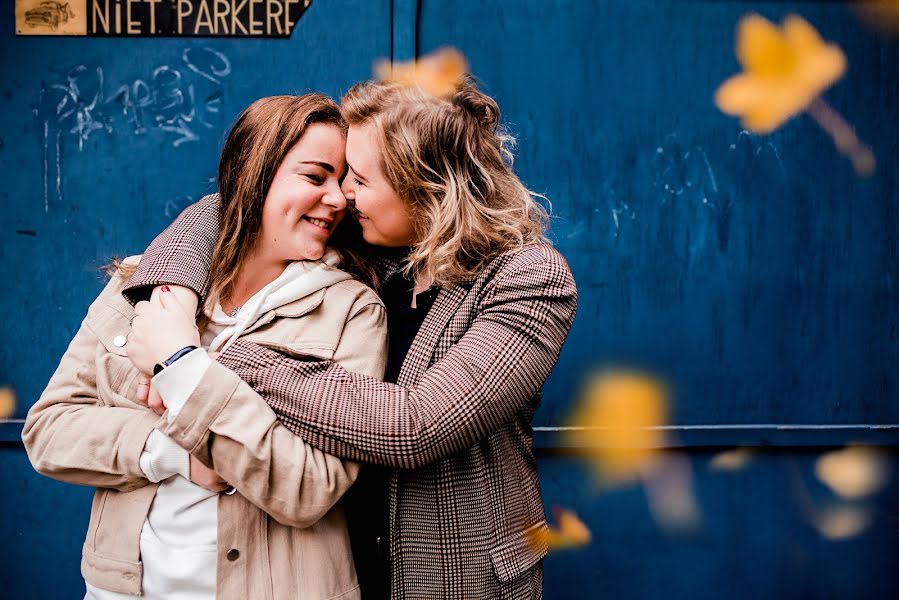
320, 142
362, 152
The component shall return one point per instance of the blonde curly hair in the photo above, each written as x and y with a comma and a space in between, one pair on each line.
450, 162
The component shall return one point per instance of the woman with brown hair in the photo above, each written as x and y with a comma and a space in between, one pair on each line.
478, 307
160, 526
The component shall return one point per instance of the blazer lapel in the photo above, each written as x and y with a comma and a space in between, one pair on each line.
419, 356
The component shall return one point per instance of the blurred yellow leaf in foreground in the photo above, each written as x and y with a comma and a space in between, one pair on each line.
621, 413
881, 15
854, 472
570, 532
784, 70
438, 73
731, 460
843, 522
7, 402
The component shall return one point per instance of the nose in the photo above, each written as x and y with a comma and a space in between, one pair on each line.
348, 189
334, 197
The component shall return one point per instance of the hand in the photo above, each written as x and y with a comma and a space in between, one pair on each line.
143, 390
205, 477
185, 296
158, 330
148, 396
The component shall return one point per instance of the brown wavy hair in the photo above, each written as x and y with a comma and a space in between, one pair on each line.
258, 142
261, 137
450, 161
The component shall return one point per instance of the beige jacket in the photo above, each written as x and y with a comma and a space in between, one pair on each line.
284, 534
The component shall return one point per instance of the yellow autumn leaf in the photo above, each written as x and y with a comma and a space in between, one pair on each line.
438, 73
731, 460
570, 532
843, 522
880, 15
7, 402
621, 413
669, 490
785, 69
853, 472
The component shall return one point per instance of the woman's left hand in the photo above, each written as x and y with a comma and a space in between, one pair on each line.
148, 396
158, 330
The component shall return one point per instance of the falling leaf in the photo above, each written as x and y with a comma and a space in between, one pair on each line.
843, 522
438, 73
880, 15
669, 489
784, 70
731, 460
622, 413
570, 532
854, 472
7, 402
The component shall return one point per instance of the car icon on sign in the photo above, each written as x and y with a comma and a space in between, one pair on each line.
49, 13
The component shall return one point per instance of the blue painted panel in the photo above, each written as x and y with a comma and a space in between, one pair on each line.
43, 527
757, 273
756, 538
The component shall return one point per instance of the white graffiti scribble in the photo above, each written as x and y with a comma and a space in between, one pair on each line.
181, 101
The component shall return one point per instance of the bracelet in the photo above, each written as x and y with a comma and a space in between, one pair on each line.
157, 368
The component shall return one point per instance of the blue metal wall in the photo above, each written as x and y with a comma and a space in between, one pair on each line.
757, 274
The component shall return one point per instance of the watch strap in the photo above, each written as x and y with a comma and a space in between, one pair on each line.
157, 368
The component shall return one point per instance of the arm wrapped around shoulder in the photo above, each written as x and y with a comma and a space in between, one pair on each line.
180, 255
229, 427
491, 374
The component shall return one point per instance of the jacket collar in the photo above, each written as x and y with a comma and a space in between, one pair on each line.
294, 309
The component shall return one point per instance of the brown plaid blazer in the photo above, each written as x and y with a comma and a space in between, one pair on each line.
456, 428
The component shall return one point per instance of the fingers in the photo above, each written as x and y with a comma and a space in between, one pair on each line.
143, 390
170, 301
165, 298
155, 401
206, 477
218, 487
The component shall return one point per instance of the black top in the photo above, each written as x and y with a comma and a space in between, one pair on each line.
403, 321
367, 501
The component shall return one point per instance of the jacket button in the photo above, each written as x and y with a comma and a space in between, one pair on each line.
233, 554
119, 341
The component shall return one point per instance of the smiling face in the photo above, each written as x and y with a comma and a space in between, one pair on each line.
304, 203
381, 212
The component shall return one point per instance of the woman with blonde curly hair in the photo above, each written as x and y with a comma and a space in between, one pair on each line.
478, 307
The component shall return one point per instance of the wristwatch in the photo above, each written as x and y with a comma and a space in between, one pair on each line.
157, 368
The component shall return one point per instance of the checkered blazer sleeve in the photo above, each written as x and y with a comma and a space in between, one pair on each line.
180, 255
491, 374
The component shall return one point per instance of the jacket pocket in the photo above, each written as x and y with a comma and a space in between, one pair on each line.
112, 574
519, 552
116, 376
